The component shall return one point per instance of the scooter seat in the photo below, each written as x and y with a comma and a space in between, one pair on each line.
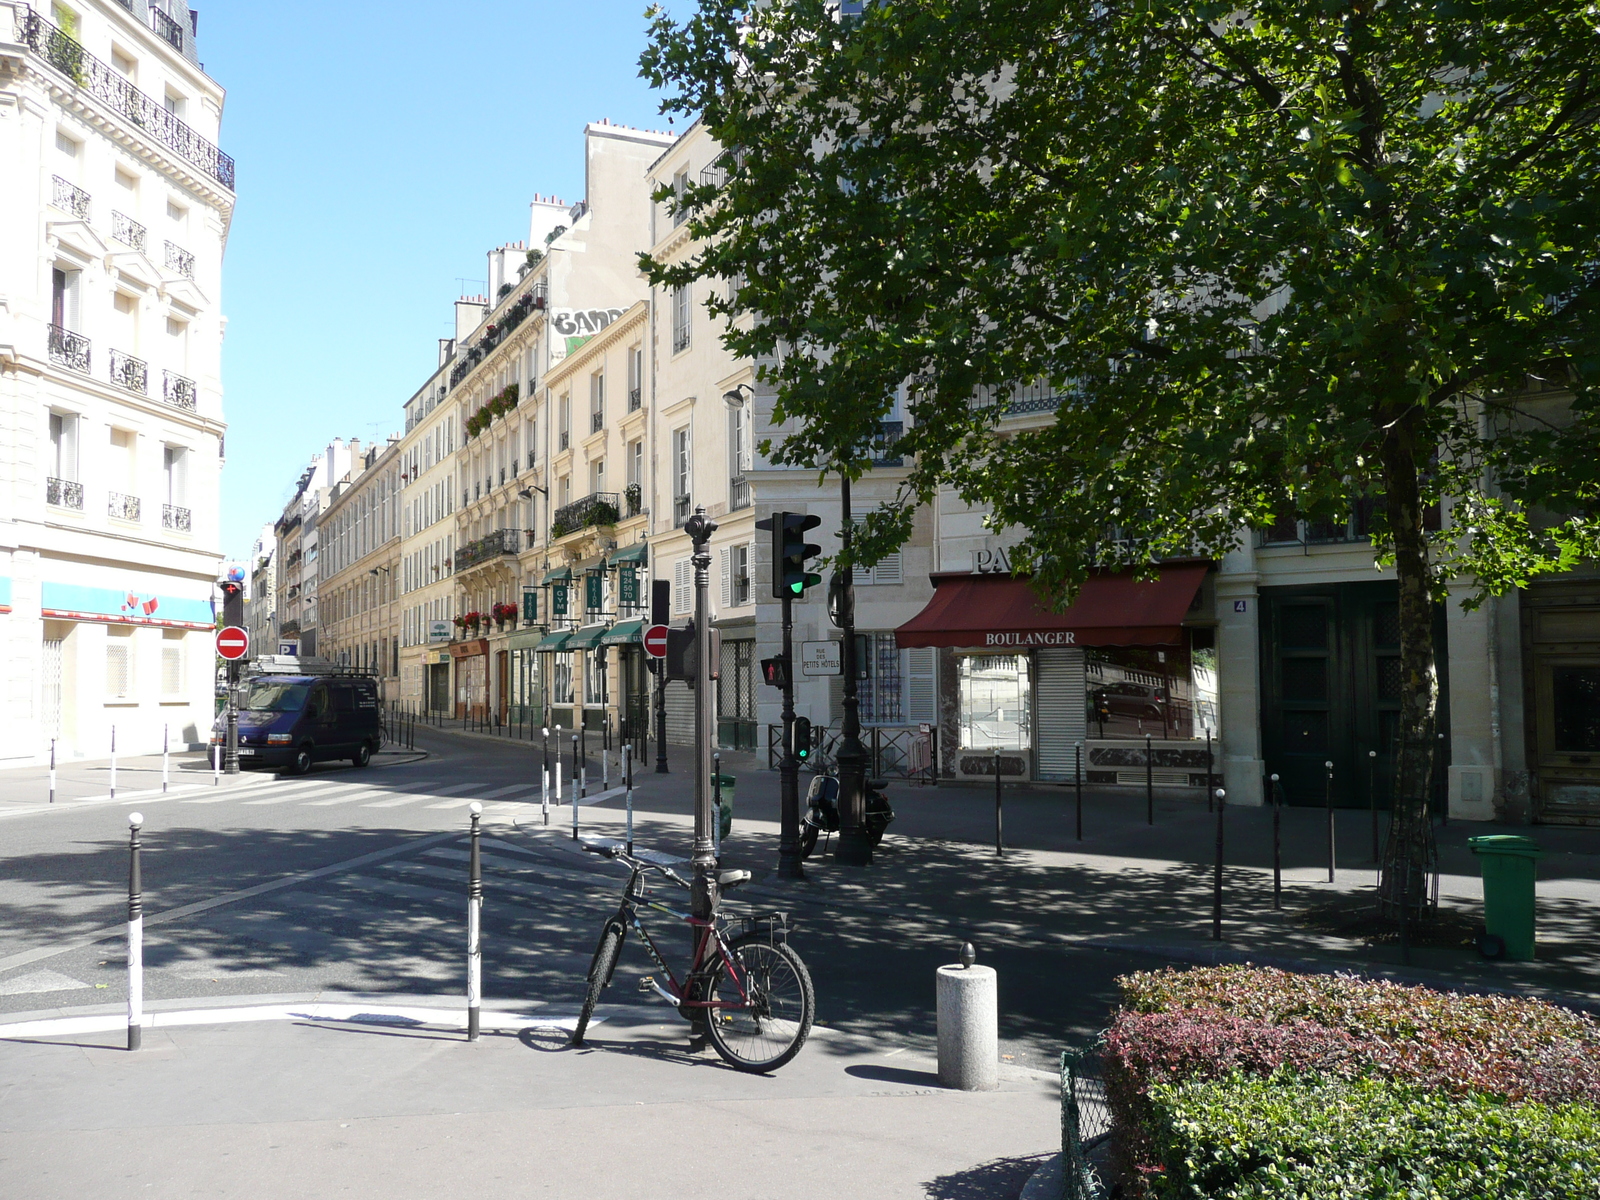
877, 785
728, 880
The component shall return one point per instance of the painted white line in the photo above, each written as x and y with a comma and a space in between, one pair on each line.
506, 791
363, 792
461, 803
185, 910
417, 799
360, 1014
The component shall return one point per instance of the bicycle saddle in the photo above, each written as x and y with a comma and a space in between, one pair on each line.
727, 880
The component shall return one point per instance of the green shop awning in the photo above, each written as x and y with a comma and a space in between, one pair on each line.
625, 634
639, 552
524, 639
559, 575
556, 639
586, 638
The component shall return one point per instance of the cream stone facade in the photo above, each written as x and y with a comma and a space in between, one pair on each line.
358, 587
115, 206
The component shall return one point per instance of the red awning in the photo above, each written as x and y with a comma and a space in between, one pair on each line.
1005, 613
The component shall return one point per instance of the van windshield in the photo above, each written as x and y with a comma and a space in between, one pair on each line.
276, 697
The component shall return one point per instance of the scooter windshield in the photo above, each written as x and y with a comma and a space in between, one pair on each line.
823, 787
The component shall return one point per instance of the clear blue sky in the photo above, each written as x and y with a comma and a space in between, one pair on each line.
382, 149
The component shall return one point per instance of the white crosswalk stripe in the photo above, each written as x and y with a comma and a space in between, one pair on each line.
417, 799
345, 795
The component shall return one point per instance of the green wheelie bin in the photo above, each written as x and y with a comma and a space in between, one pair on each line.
1507, 864
722, 786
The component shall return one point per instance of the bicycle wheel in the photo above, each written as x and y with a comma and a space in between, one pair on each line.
605, 962
771, 1005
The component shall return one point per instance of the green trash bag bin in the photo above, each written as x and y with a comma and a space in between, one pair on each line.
725, 782
1507, 864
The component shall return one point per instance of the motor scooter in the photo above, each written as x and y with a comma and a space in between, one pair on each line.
822, 812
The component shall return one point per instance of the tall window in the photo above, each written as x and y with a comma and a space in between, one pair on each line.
172, 666
174, 475
635, 378
597, 472
597, 401
594, 679
119, 665
680, 183
565, 417
736, 575
680, 318
64, 446
561, 678
681, 476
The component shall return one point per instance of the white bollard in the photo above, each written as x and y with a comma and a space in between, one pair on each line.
135, 935
544, 781
627, 782
113, 762
968, 1020
166, 740
474, 927
52, 770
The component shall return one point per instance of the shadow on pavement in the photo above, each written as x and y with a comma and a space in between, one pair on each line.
1000, 1179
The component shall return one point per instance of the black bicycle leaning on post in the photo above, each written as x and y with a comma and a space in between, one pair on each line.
744, 981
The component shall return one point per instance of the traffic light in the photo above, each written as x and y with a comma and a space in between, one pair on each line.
775, 671
790, 550
232, 602
802, 739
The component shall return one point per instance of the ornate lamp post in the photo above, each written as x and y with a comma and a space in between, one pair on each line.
703, 896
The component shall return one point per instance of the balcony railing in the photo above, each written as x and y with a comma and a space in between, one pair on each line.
565, 441
63, 493
738, 493
180, 260
68, 349
289, 628
129, 372
501, 541
601, 508
633, 497
178, 390
883, 452
69, 198
168, 29
635, 399
111, 89
127, 231
177, 519
124, 508
597, 421
682, 506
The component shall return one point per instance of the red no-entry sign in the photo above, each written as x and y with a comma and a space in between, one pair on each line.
655, 641
233, 642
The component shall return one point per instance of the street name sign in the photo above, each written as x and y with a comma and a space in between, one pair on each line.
822, 658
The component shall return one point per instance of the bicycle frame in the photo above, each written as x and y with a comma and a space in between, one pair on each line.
705, 959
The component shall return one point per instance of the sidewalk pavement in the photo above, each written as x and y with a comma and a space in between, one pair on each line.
386, 1105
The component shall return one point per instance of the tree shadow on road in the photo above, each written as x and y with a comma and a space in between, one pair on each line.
999, 1179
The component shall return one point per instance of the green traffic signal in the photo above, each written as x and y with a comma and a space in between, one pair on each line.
790, 552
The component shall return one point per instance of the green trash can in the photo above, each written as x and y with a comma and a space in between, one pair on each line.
1507, 864
725, 783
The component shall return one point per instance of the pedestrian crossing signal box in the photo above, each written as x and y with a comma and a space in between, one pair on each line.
680, 658
775, 671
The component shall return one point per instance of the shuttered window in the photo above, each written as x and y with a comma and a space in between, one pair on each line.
682, 586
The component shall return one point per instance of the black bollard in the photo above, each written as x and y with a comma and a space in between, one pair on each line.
1210, 765
1372, 798
1327, 790
1149, 785
1077, 776
999, 840
1277, 843
1216, 877
135, 936
474, 927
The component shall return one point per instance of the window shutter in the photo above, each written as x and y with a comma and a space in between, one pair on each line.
921, 695
888, 569
727, 577
835, 699
171, 670
682, 586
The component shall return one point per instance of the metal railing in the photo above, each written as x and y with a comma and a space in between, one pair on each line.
178, 519
635, 398
123, 507
501, 541
177, 389
166, 28
180, 260
893, 751
600, 508
63, 493
738, 493
883, 451
68, 349
564, 442
1085, 1123
130, 372
110, 88
69, 198
597, 421
682, 506
127, 231
633, 498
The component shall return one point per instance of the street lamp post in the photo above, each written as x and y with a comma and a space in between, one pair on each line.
703, 893
854, 845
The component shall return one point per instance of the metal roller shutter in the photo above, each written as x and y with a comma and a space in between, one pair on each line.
1058, 711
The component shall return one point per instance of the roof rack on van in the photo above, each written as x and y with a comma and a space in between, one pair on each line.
290, 664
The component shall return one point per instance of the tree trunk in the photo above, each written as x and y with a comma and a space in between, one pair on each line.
1409, 854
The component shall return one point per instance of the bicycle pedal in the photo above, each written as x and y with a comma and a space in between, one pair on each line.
647, 984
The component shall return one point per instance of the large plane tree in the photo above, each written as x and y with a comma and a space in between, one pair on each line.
1278, 259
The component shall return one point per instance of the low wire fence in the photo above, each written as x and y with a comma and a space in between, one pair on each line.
1085, 1123
893, 751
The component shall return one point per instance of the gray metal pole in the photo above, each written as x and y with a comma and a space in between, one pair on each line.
1277, 844
135, 935
788, 765
1149, 785
230, 764
474, 926
999, 840
1372, 802
113, 762
575, 787
166, 742
627, 783
544, 783
854, 845
52, 770
704, 894
716, 805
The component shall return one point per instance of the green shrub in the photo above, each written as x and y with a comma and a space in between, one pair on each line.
1316, 1138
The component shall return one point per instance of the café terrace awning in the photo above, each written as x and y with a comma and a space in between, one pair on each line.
1004, 613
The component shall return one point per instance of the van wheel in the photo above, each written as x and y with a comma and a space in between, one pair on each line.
363, 755
300, 764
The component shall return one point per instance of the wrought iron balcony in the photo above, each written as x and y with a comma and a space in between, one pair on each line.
63, 493
124, 508
680, 338
129, 372
177, 519
289, 628
177, 389
565, 441
68, 349
883, 452
69, 198
179, 259
116, 93
601, 508
168, 29
738, 493
682, 507
635, 399
597, 421
501, 541
127, 231
633, 497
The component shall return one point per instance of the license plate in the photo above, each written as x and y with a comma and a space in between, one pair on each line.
243, 750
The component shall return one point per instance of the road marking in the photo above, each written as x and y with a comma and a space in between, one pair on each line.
458, 787
363, 792
455, 803
506, 791
364, 1014
172, 914
41, 981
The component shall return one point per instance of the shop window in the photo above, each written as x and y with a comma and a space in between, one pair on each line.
1171, 691
561, 678
594, 679
995, 697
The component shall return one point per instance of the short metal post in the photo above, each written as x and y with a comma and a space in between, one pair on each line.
627, 783
999, 840
474, 925
52, 770
1216, 876
1372, 800
166, 741
544, 782
1328, 793
716, 806
216, 763
605, 756
1209, 771
135, 936
580, 784
1077, 776
1149, 785
1277, 844
558, 766
113, 762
